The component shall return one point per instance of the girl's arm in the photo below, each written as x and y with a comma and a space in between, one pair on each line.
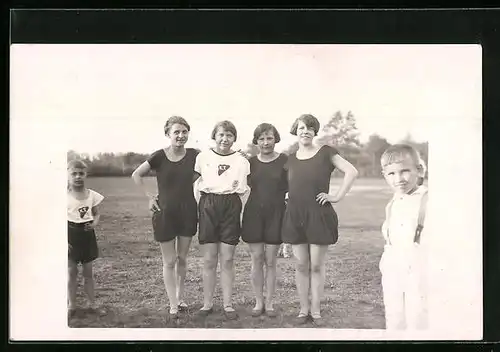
137, 176
350, 174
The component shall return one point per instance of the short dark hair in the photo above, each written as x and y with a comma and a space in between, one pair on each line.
77, 164
226, 126
264, 127
309, 120
173, 120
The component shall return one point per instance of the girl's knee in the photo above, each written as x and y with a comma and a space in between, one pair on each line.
302, 266
316, 268
181, 261
72, 272
227, 263
210, 263
271, 262
87, 271
258, 258
169, 263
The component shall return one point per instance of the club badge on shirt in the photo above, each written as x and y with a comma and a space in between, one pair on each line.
222, 168
83, 211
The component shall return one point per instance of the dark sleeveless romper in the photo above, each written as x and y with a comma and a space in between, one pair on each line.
178, 215
305, 220
263, 214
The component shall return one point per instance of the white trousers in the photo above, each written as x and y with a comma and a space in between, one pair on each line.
404, 288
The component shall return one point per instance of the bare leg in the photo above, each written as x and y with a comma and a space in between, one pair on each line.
257, 274
183, 244
88, 283
271, 256
210, 256
227, 273
318, 255
301, 253
72, 283
169, 257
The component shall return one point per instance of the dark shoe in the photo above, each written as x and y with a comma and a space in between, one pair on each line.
271, 313
173, 315
257, 312
302, 318
182, 306
230, 313
317, 320
205, 312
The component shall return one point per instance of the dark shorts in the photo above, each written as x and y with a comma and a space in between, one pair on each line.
168, 223
310, 223
82, 244
220, 218
262, 224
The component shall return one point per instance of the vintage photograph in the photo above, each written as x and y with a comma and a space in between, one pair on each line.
253, 187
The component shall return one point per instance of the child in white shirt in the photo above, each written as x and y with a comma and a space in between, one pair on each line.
83, 217
403, 263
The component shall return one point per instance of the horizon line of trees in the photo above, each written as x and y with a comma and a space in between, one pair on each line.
340, 131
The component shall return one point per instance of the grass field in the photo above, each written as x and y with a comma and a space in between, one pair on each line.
129, 283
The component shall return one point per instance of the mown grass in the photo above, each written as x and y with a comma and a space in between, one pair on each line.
129, 281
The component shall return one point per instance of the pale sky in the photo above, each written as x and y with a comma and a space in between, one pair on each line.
116, 98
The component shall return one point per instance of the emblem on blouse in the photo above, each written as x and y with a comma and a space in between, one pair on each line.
83, 211
222, 168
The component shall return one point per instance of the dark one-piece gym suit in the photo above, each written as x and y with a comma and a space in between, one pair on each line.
178, 215
305, 220
263, 214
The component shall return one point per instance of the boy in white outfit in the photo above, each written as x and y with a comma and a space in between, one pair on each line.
403, 263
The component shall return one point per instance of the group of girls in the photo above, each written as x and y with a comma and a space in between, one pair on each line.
289, 202
308, 222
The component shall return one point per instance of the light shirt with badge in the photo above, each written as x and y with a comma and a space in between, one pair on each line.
222, 174
80, 210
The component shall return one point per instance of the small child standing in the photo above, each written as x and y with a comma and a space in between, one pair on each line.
83, 217
403, 263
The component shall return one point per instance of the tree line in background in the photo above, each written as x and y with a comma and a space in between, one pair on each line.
340, 132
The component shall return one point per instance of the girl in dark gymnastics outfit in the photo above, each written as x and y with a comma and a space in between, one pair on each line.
175, 217
263, 214
310, 223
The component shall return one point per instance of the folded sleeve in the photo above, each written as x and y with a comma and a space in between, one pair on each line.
97, 198
198, 163
154, 160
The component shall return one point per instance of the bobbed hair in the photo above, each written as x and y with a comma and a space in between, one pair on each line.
264, 127
226, 126
309, 120
173, 120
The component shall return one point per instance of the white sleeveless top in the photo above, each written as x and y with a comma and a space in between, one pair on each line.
222, 174
80, 211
